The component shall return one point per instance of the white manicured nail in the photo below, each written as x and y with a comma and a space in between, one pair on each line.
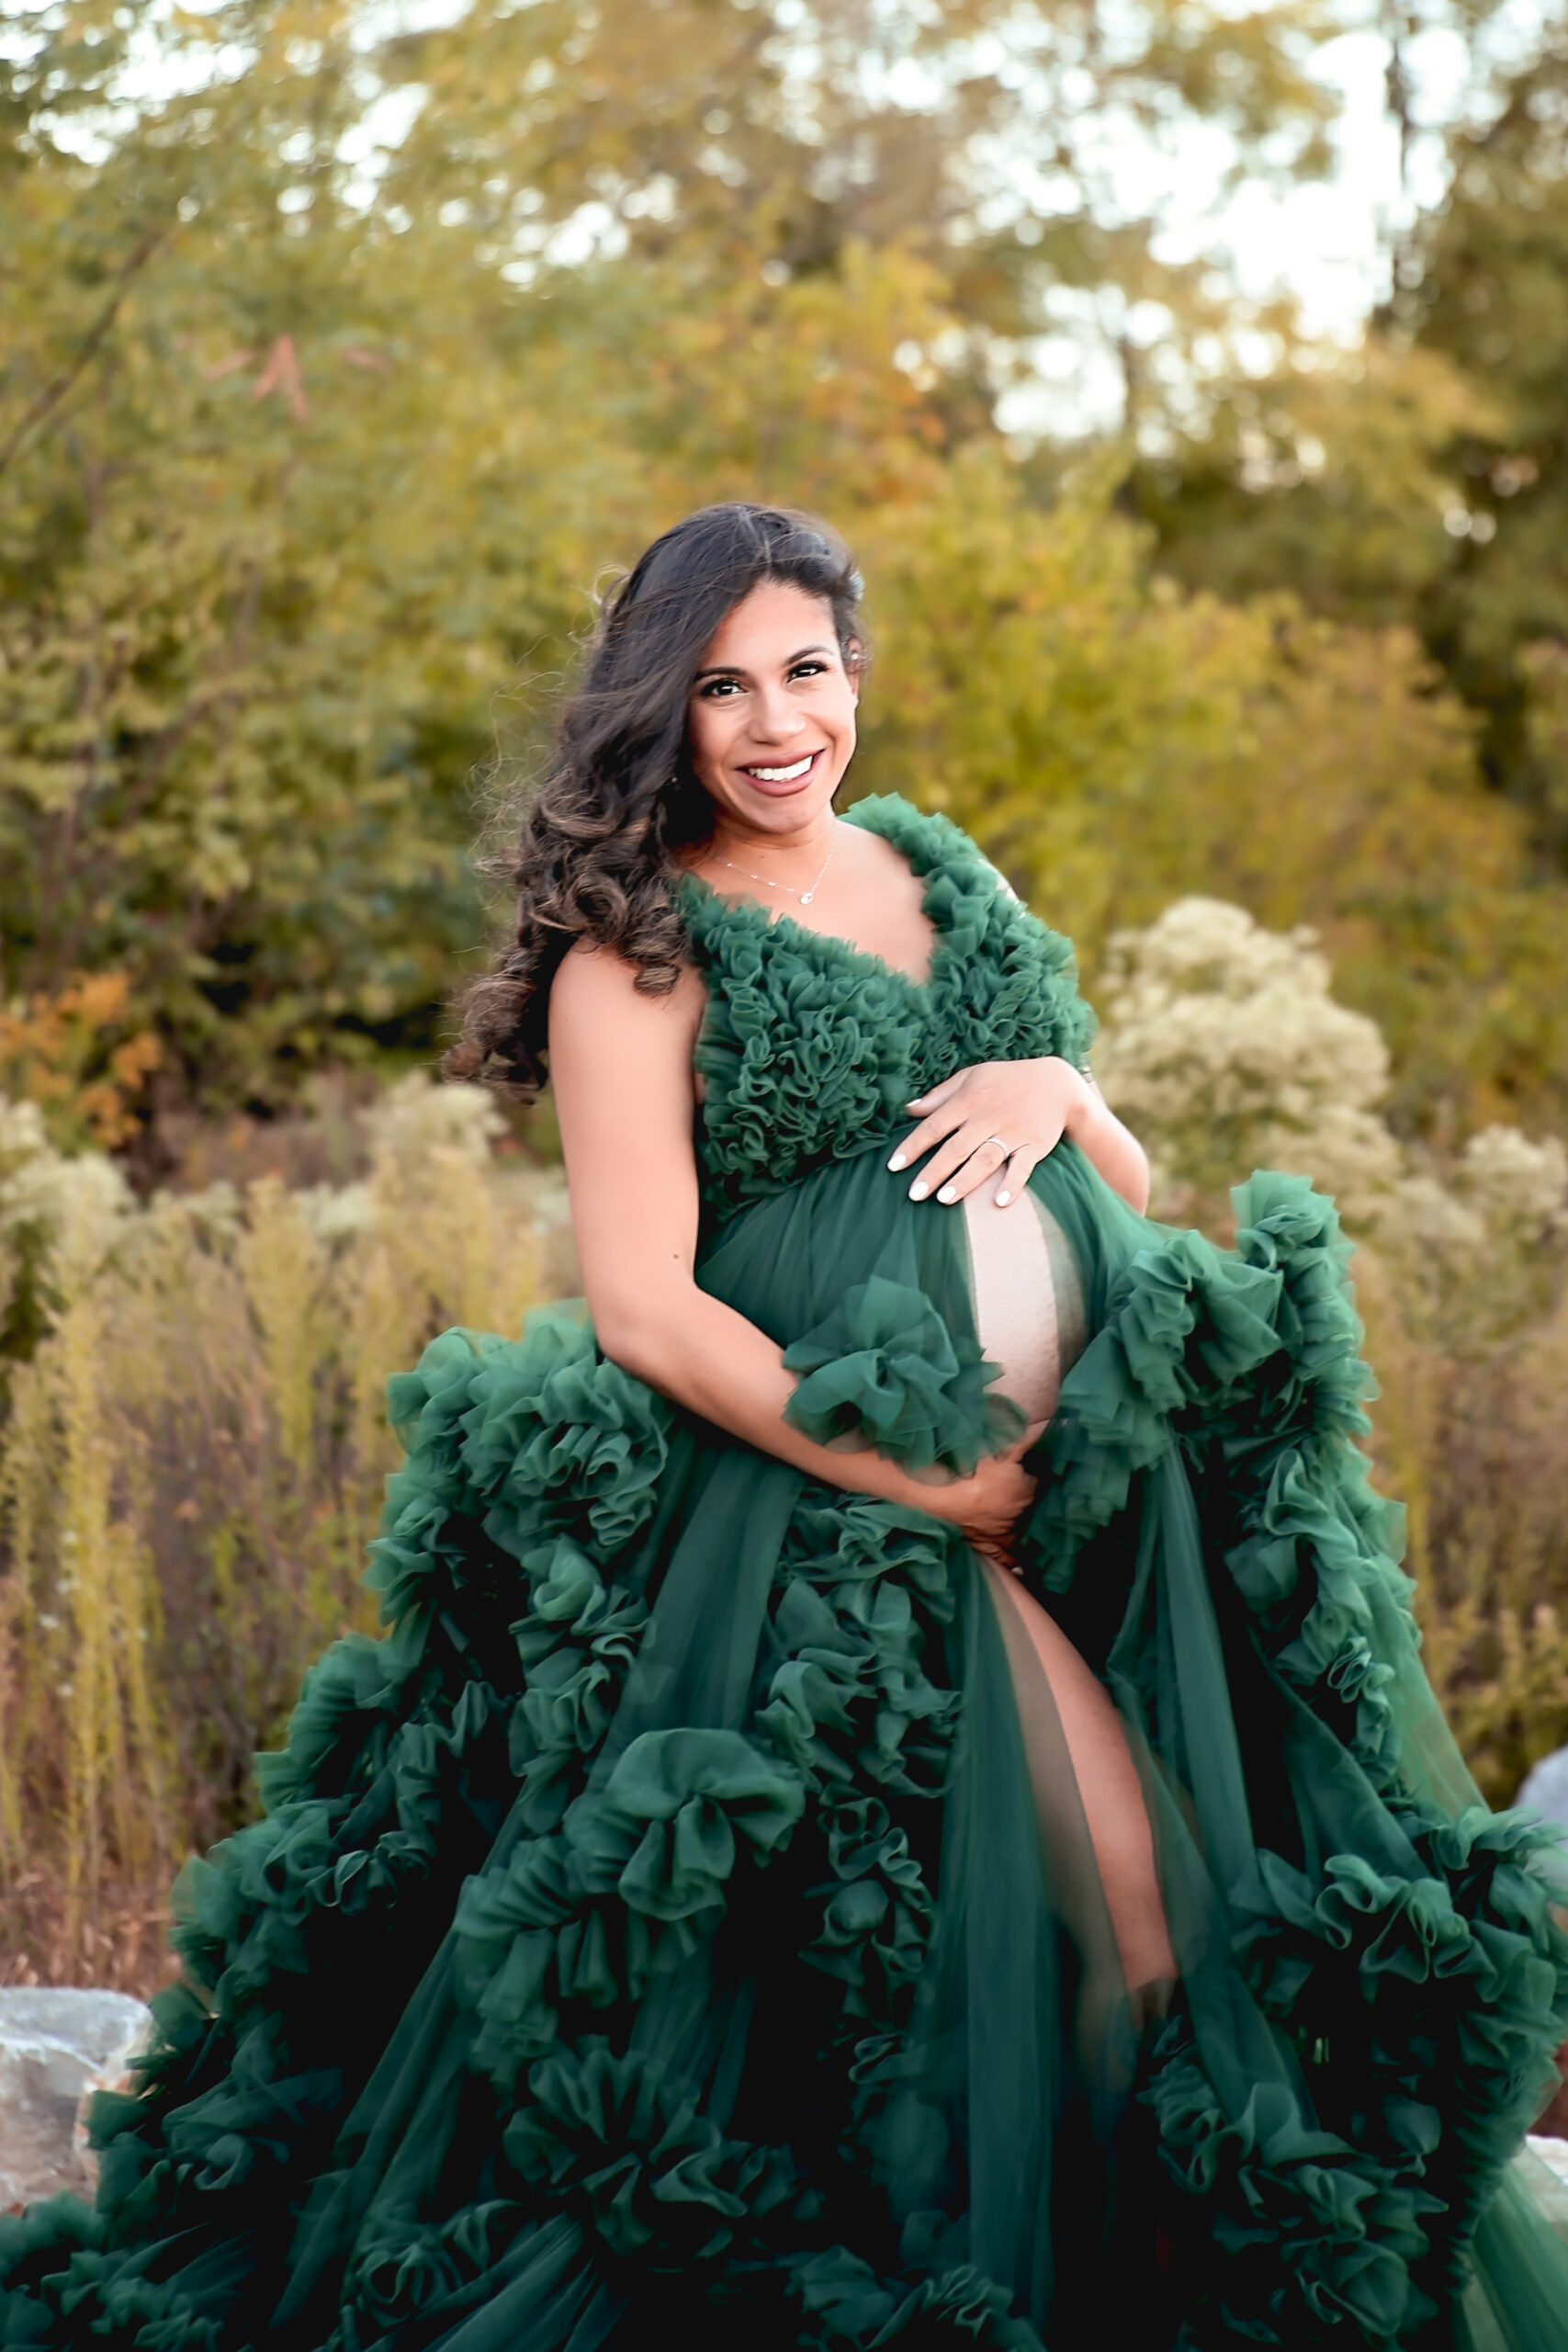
947, 1193
1002, 1198
917, 1191
897, 1162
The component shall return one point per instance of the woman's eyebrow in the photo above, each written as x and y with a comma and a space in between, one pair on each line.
737, 668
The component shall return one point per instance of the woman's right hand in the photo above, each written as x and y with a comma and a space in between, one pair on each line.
987, 1505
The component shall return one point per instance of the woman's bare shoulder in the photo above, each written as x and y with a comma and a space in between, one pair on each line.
619, 1055
595, 987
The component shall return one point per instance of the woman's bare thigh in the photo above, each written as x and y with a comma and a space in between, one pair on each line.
1109, 1789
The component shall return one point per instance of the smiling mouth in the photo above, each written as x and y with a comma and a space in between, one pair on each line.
791, 775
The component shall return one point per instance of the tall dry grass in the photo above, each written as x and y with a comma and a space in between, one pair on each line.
1470, 1434
191, 1466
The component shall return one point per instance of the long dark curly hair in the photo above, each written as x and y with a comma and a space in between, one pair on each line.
599, 846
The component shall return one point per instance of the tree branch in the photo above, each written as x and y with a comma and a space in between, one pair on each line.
53, 392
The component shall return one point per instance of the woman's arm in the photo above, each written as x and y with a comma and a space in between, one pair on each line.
1108, 1146
1027, 1106
621, 1067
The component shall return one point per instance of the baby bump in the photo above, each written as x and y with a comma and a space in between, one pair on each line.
1028, 1300
1003, 1283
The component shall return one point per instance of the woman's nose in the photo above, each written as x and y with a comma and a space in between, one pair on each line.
774, 716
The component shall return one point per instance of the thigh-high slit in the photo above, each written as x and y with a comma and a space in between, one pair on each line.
1030, 1321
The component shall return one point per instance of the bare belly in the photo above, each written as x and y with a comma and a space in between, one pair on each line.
1029, 1311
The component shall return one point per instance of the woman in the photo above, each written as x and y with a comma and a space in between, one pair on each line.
897, 1803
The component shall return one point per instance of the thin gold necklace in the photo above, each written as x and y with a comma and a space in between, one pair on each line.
804, 897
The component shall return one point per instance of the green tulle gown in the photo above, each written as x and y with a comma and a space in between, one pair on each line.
680, 1926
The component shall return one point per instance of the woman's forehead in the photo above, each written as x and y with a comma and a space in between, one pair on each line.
773, 622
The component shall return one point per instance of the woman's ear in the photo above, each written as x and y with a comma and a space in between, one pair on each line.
852, 665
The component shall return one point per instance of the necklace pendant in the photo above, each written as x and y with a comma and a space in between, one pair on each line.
807, 897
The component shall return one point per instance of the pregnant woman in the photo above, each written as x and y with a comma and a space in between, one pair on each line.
897, 1803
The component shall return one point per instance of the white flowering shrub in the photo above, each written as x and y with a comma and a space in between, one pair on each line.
414, 1120
1517, 1183
1224, 1050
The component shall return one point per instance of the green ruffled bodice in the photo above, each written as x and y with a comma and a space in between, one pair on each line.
811, 1050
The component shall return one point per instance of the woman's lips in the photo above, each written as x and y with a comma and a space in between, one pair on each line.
781, 775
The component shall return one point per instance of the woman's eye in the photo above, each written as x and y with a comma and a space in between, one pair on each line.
809, 669
716, 686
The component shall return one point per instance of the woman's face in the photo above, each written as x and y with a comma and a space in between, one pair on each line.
771, 722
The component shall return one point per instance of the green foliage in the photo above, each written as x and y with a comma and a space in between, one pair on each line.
239, 698
1115, 743
1494, 303
1422, 478
1331, 476
306, 448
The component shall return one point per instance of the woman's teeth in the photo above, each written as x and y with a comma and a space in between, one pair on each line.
783, 776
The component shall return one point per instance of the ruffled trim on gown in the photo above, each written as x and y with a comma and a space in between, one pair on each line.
811, 1048
534, 1469
884, 1371
1406, 1983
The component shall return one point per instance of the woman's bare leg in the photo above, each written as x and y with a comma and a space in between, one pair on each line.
1109, 1789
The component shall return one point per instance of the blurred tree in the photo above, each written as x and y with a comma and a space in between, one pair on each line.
721, 136
332, 377
1330, 476
1423, 478
309, 437
1493, 299
1115, 742
268, 547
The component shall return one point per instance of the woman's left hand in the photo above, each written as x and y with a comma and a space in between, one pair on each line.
995, 1118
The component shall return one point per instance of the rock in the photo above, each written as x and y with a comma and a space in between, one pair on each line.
57, 2047
1547, 2179
1545, 1787
1544, 1790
